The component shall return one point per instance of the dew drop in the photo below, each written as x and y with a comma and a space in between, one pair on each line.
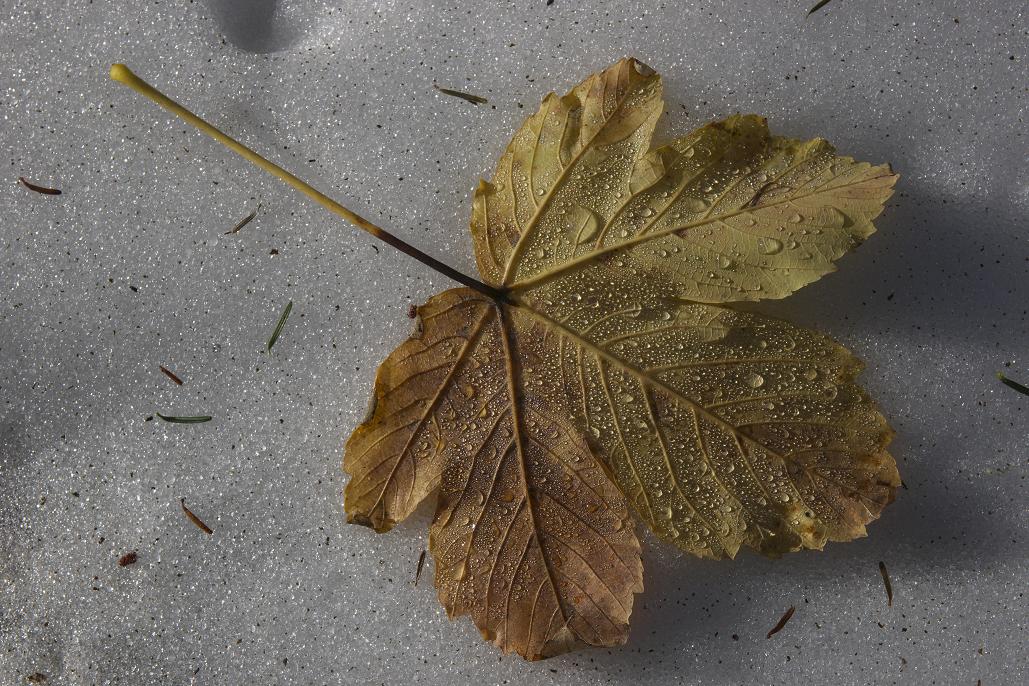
769, 246
837, 218
588, 223
694, 204
755, 380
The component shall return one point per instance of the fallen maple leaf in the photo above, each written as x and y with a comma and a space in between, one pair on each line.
597, 369
719, 427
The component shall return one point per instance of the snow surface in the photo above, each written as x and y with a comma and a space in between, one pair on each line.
129, 269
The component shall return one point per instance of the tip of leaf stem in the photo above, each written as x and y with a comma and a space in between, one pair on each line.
124, 75
119, 72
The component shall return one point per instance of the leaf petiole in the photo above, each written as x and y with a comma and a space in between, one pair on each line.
124, 75
1012, 384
